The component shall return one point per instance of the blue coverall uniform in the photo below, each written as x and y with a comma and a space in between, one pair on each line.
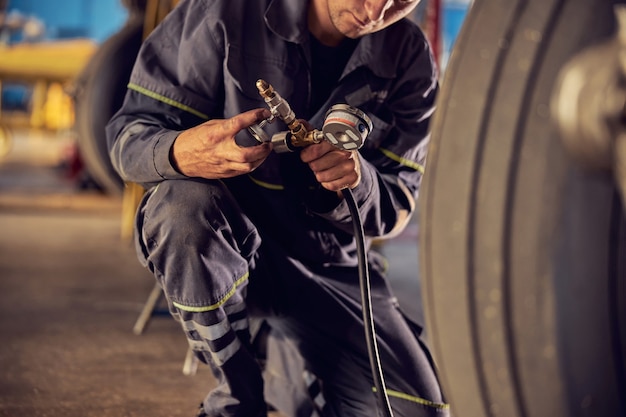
274, 243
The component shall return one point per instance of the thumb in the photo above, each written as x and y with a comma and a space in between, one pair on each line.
247, 119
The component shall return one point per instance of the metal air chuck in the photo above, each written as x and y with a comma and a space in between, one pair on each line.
345, 127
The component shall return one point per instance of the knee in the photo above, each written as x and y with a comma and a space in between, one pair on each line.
190, 213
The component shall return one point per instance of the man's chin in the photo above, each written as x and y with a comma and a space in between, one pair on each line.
357, 33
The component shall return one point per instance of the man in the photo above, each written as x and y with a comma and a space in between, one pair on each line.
235, 232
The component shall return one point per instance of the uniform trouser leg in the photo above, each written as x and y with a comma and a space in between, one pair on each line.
214, 265
320, 329
199, 246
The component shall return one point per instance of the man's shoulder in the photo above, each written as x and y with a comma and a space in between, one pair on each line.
398, 47
405, 30
224, 18
219, 10
403, 37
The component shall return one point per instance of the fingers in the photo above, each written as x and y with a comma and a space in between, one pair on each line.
239, 122
347, 175
334, 168
316, 151
234, 169
250, 155
209, 150
245, 120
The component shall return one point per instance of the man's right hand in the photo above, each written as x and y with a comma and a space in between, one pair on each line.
209, 150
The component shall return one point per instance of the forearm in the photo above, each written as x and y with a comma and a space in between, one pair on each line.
140, 151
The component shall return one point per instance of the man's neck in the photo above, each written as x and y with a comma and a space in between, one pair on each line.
320, 24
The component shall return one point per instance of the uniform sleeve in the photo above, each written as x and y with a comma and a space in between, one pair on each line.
392, 170
171, 88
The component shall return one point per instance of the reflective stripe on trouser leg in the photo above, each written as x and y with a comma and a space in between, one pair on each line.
220, 337
218, 340
199, 246
314, 388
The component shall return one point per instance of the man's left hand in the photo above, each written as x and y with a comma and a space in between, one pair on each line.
334, 168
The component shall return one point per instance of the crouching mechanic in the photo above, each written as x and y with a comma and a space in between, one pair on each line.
236, 233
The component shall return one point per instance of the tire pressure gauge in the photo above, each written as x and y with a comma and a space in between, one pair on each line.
346, 127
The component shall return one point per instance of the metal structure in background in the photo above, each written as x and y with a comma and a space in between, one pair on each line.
22, 64
589, 105
99, 92
100, 89
522, 246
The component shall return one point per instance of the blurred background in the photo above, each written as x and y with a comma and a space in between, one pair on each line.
45, 48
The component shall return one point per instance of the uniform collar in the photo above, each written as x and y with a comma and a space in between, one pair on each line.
288, 19
373, 53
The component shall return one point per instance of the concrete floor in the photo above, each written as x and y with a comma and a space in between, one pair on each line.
71, 291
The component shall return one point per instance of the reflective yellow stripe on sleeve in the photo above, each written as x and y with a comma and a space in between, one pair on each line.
403, 161
166, 100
